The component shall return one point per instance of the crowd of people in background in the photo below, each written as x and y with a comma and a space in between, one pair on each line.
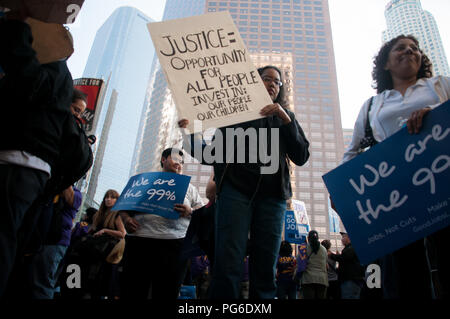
239, 231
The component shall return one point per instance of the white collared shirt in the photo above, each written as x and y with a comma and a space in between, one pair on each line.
396, 108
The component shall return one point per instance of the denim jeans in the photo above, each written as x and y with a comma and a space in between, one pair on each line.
45, 271
350, 290
236, 216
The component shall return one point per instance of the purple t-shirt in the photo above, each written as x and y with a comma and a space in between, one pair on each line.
199, 265
285, 268
68, 214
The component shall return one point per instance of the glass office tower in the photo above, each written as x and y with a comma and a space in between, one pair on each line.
408, 17
122, 55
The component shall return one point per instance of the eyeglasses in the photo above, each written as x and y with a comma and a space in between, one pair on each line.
76, 111
268, 79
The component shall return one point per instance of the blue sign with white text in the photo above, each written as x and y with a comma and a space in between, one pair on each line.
397, 192
293, 232
154, 193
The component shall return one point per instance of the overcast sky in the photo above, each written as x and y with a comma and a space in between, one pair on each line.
356, 27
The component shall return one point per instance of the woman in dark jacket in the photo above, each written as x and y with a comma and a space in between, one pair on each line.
252, 194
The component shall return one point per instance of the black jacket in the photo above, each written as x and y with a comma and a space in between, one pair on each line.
349, 265
35, 99
247, 177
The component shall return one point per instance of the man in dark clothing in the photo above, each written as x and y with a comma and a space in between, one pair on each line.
35, 105
351, 272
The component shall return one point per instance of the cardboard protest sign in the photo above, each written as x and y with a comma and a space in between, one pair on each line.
294, 232
93, 89
209, 71
154, 193
296, 223
52, 11
51, 41
397, 192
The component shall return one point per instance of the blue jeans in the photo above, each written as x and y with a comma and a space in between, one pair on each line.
45, 270
350, 290
236, 216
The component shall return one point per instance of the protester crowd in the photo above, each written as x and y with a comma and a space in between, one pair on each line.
239, 250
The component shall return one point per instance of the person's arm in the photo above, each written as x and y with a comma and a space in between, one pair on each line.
195, 201
27, 78
118, 233
69, 196
358, 134
130, 224
295, 139
194, 144
336, 257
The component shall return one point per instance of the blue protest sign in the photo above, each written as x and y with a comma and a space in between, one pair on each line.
398, 191
154, 193
333, 219
294, 232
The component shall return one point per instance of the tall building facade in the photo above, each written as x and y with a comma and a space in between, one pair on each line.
296, 36
122, 54
408, 17
348, 135
158, 129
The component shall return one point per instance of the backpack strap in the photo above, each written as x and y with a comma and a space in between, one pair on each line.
368, 129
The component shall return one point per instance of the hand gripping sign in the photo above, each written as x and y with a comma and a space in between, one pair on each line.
398, 191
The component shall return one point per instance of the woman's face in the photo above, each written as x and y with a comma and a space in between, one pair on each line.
404, 59
110, 201
272, 82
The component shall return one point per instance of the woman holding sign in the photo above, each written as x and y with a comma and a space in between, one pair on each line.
407, 91
251, 195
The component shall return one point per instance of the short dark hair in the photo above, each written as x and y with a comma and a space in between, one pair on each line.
281, 98
169, 151
326, 243
285, 249
79, 95
90, 212
382, 79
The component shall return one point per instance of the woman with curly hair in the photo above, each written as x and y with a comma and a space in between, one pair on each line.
402, 76
406, 92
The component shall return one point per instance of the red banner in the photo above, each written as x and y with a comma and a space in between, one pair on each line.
92, 88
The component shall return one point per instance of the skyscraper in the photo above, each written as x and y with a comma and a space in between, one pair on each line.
122, 55
158, 127
408, 17
296, 36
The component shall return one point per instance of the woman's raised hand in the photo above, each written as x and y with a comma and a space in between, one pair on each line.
415, 121
276, 109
